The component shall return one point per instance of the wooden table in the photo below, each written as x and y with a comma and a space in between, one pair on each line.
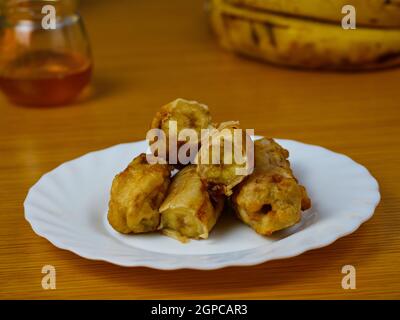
148, 53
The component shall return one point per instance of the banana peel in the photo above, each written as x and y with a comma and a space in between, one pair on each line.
372, 13
298, 42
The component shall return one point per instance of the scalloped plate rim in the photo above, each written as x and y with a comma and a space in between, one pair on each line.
159, 264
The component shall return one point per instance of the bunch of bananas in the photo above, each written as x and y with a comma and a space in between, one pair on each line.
309, 33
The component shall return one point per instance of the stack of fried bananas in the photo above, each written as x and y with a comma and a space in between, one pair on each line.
265, 195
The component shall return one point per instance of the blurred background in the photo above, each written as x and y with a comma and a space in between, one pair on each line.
134, 56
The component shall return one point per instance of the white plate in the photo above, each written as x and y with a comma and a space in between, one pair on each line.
68, 206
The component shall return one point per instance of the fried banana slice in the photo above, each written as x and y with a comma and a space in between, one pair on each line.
216, 160
176, 116
136, 194
189, 210
270, 199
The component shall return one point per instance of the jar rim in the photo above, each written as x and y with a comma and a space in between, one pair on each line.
32, 9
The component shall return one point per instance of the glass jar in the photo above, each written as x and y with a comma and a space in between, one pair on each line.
40, 65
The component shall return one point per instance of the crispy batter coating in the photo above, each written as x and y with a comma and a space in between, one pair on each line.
136, 195
270, 199
187, 114
223, 175
189, 210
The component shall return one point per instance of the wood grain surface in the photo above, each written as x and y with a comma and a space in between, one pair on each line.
149, 52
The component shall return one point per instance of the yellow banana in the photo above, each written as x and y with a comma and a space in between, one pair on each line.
301, 42
377, 13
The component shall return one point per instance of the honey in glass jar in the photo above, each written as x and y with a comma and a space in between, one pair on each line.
38, 66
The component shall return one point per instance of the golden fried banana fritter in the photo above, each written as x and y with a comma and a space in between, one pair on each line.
212, 165
136, 195
185, 115
270, 199
189, 210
